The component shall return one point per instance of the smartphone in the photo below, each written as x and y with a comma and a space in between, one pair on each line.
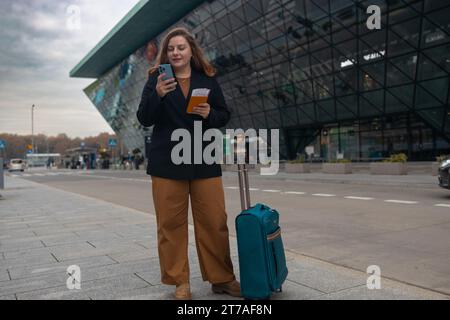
167, 69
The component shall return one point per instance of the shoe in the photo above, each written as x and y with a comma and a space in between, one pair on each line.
183, 292
232, 288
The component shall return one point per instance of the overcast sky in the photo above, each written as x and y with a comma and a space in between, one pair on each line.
38, 49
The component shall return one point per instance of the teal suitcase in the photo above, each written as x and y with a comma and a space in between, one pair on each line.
262, 262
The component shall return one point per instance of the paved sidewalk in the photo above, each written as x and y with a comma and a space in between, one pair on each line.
43, 231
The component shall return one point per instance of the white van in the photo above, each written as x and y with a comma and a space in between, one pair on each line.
16, 165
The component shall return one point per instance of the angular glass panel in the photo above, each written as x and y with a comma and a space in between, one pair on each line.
273, 119
376, 99
259, 120
345, 55
447, 121
237, 17
222, 27
346, 16
289, 116
404, 93
440, 59
256, 33
321, 62
306, 113
325, 110
401, 70
323, 87
372, 76
304, 91
346, 81
322, 28
426, 100
247, 122
255, 103
241, 40
434, 116
340, 33
316, 9
397, 45
404, 13
435, 4
216, 6
347, 107
318, 42
438, 88
435, 31
337, 5
253, 10
259, 5
407, 31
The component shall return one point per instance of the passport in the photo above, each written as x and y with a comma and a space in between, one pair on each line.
198, 96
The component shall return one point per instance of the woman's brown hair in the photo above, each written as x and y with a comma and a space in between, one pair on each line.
198, 61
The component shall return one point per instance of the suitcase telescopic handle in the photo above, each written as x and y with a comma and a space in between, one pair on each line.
244, 189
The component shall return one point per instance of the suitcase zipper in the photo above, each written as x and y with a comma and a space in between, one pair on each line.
274, 235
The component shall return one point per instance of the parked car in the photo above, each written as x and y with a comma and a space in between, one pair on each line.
443, 174
17, 165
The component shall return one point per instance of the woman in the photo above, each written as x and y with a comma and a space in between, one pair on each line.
163, 105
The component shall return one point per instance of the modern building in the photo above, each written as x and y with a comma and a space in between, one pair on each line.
311, 68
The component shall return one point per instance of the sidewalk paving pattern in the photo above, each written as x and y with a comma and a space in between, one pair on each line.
44, 230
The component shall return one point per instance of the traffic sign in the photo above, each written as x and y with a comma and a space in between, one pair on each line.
112, 142
2, 144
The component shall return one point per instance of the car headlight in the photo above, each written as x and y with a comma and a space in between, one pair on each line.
445, 163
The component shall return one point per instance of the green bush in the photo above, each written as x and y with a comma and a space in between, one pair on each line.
300, 159
398, 157
340, 161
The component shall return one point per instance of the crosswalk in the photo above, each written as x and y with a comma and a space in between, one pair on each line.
45, 173
349, 197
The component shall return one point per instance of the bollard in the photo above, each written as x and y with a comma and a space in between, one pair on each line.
2, 180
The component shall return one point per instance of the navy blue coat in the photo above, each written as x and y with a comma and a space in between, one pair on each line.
169, 113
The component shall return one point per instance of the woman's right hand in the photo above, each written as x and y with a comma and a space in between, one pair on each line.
163, 87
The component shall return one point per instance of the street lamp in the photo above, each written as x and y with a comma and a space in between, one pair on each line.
32, 128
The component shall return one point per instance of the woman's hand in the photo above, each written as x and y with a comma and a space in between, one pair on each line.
202, 109
163, 87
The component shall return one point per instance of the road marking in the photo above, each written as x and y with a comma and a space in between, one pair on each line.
401, 201
39, 174
358, 198
253, 189
324, 195
233, 188
294, 192
269, 190
442, 205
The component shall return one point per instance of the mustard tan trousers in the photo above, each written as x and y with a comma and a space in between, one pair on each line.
171, 200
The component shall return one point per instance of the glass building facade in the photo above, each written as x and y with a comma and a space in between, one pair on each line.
314, 70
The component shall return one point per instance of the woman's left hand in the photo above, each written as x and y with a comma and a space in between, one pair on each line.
202, 109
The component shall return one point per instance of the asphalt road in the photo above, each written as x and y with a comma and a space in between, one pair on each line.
405, 230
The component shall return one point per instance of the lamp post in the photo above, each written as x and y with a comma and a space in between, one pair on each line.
32, 128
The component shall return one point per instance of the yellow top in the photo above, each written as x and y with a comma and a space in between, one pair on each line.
184, 85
